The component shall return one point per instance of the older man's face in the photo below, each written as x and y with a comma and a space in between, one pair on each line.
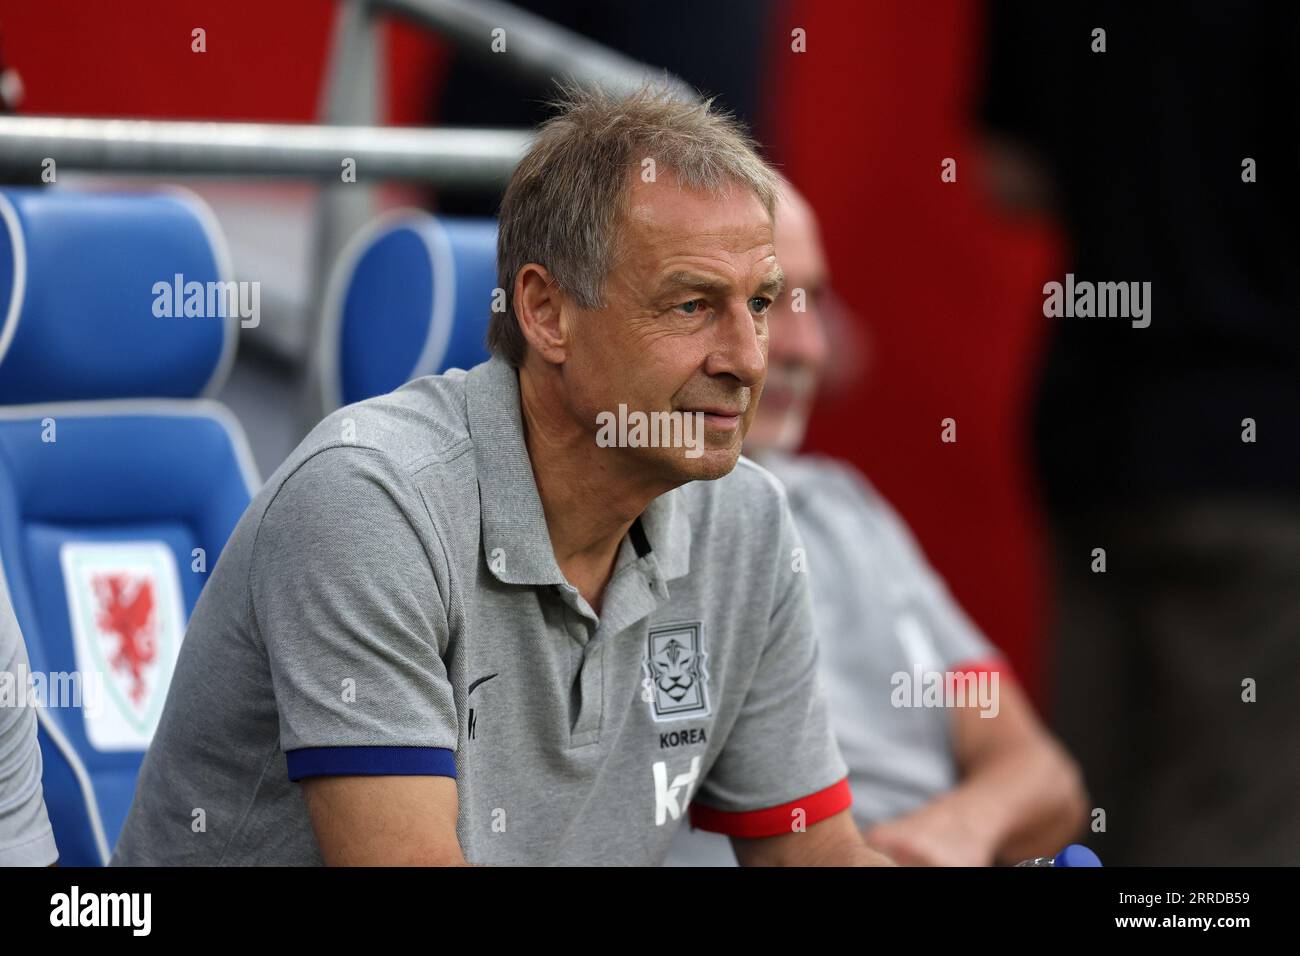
799, 349
684, 327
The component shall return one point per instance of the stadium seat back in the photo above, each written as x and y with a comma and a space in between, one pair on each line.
113, 509
409, 296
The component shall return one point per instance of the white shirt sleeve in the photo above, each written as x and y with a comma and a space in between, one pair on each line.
26, 838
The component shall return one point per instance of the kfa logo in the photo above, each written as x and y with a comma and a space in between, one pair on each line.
666, 794
676, 683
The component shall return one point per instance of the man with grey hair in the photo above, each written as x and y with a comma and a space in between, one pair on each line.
491, 617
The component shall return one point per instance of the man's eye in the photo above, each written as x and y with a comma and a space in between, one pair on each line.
693, 307
760, 304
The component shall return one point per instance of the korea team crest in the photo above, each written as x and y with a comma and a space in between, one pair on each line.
676, 683
127, 621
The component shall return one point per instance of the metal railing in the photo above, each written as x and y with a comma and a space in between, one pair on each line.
534, 46
495, 31
350, 110
447, 157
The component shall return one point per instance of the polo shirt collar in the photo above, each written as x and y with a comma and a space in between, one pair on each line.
667, 526
511, 509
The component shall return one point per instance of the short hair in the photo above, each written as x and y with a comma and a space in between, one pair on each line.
564, 205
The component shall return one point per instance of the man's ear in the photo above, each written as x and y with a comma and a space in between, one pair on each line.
537, 303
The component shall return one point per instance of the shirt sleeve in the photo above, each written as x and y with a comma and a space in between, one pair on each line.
959, 643
781, 766
345, 586
26, 838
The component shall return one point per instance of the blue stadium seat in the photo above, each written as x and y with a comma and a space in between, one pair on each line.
409, 296
118, 486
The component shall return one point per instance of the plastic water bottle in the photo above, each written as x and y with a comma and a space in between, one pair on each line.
1072, 855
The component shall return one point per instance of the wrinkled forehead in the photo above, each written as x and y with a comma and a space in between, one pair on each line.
667, 218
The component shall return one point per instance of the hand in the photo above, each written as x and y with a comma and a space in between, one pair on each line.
935, 835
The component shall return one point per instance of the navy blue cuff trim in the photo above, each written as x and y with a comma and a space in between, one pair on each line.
371, 762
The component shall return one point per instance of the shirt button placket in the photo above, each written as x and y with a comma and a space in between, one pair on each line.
586, 724
592, 692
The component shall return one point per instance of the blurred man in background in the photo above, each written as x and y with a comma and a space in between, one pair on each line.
964, 785
1167, 136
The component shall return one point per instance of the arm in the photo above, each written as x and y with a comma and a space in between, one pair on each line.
1021, 795
779, 787
385, 821
834, 841
345, 583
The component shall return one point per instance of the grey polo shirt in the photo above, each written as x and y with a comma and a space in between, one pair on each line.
880, 611
26, 838
390, 604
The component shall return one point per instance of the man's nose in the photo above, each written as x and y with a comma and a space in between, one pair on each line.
741, 348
